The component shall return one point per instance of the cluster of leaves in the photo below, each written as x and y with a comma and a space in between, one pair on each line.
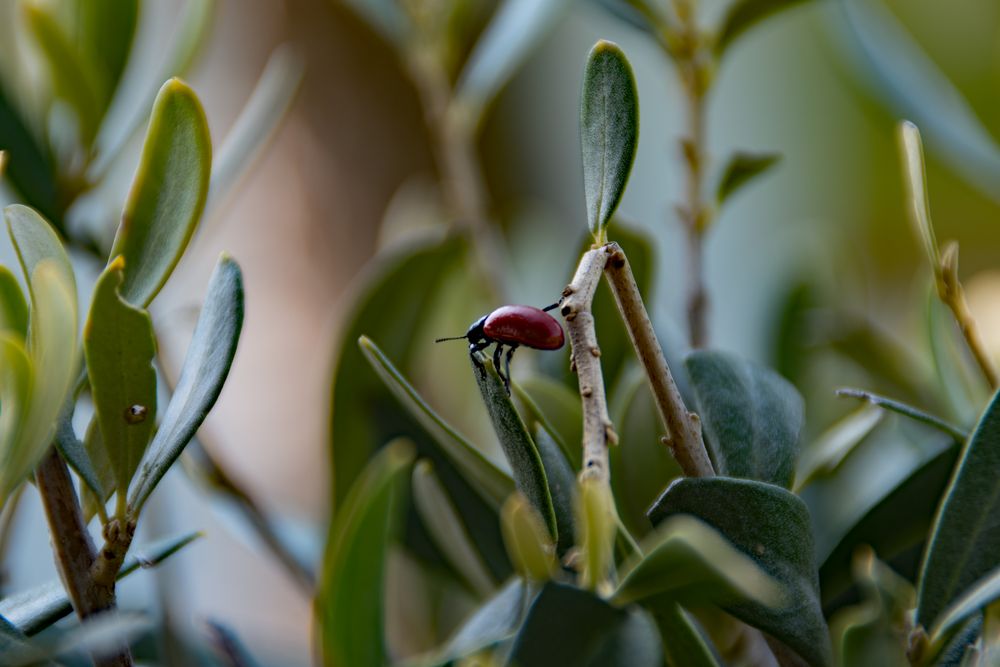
63, 126
661, 567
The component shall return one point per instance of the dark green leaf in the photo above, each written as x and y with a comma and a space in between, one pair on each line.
751, 416
495, 621
964, 542
349, 604
515, 28
897, 521
569, 626
168, 193
744, 15
95, 635
562, 486
772, 526
120, 346
394, 296
107, 28
517, 445
13, 307
490, 482
29, 166
34, 610
205, 369
984, 593
556, 407
743, 168
683, 644
688, 561
609, 132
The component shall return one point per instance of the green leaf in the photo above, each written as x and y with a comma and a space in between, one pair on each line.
984, 593
913, 413
772, 527
30, 168
513, 31
448, 531
744, 15
751, 416
489, 481
961, 385
13, 308
495, 621
35, 240
349, 613
34, 610
168, 193
74, 453
898, 520
393, 297
562, 485
911, 151
528, 542
517, 445
685, 560
72, 78
964, 542
829, 450
683, 644
741, 169
120, 346
205, 369
557, 408
569, 626
106, 32
639, 14
916, 88
596, 529
609, 132
16, 378
96, 635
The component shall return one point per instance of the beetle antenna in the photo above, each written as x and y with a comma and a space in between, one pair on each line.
441, 340
552, 307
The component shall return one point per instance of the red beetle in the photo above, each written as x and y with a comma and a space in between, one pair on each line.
513, 326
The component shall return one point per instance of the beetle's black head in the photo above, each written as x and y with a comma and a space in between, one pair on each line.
474, 335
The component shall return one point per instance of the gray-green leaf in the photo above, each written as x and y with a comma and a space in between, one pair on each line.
965, 541
205, 369
772, 526
744, 15
609, 131
168, 193
120, 346
751, 416
517, 445
741, 169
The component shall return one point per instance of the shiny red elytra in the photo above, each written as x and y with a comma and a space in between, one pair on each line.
513, 326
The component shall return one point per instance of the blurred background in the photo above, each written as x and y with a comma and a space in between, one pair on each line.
809, 270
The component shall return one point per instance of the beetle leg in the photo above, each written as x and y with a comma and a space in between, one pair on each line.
510, 353
476, 347
496, 359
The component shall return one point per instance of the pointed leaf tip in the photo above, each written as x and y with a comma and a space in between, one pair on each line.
609, 131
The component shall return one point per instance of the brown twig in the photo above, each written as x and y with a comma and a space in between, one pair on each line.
952, 294
683, 427
598, 431
88, 576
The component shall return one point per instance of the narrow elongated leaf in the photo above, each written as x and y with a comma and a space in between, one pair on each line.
73, 78
13, 307
899, 520
913, 413
569, 626
741, 169
205, 369
751, 416
101, 634
688, 561
744, 15
835, 444
349, 602
445, 525
609, 131
515, 28
771, 526
120, 346
107, 28
557, 408
562, 485
528, 543
16, 377
917, 89
493, 484
74, 453
964, 541
918, 202
517, 445
34, 610
168, 193
984, 593
35, 240
394, 295
683, 644
597, 526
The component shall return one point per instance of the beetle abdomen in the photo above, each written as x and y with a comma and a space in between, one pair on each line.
524, 325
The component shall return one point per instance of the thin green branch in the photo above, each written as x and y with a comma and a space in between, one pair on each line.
906, 410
